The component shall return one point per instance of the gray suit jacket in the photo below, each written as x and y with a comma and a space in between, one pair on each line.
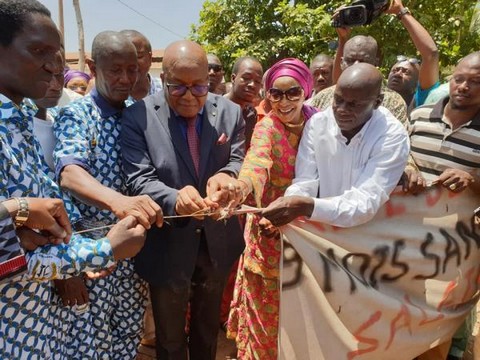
157, 162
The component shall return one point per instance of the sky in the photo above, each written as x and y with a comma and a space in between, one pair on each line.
161, 21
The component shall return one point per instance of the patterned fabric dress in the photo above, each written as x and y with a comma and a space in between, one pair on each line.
88, 132
28, 327
269, 166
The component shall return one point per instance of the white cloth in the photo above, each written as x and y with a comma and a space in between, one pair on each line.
388, 289
350, 182
67, 97
43, 131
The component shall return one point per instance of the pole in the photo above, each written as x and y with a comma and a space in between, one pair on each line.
61, 25
81, 36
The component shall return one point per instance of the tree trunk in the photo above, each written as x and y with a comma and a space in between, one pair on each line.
81, 36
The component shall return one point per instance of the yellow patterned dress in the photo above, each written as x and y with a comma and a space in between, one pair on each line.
269, 167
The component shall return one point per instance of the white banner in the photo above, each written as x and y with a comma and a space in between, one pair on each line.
388, 289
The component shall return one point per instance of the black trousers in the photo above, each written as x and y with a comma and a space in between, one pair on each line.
169, 303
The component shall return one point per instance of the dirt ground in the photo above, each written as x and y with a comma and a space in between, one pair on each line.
225, 349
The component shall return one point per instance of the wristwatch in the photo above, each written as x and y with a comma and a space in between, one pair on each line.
403, 12
22, 214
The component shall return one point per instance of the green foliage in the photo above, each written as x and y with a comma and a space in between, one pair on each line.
273, 29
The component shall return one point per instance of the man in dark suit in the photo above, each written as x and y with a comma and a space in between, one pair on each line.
183, 147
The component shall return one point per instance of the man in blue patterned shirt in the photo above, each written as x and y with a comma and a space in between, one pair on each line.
29, 42
88, 165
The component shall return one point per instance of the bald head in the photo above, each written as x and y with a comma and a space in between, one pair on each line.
180, 53
472, 60
185, 76
360, 49
356, 96
465, 85
361, 76
108, 44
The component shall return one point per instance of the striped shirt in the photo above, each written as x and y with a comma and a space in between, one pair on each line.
435, 147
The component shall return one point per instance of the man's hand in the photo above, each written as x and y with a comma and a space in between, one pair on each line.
189, 201
267, 229
395, 7
455, 180
45, 214
72, 291
127, 238
30, 240
287, 208
100, 273
223, 190
412, 181
343, 33
142, 207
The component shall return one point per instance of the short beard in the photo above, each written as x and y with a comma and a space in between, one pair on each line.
457, 107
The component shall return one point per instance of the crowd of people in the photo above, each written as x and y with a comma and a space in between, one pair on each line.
115, 184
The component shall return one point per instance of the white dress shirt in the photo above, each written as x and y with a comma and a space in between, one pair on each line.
350, 182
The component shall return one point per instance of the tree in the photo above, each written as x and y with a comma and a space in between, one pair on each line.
274, 29
267, 29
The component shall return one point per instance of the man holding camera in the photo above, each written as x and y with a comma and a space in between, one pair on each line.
359, 49
409, 77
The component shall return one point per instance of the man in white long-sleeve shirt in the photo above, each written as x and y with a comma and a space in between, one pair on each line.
350, 158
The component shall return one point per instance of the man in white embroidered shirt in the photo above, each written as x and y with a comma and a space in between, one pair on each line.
350, 158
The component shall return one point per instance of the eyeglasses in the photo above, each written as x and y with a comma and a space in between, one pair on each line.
180, 90
292, 94
215, 67
414, 61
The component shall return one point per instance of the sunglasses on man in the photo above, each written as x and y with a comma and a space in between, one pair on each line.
180, 90
402, 58
292, 94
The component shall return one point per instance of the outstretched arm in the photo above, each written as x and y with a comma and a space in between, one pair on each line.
343, 36
429, 68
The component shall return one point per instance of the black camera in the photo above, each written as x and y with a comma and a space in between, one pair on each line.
361, 12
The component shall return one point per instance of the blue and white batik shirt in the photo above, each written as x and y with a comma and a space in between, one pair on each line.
88, 133
26, 325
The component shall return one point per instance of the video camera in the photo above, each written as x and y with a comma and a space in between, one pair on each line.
360, 12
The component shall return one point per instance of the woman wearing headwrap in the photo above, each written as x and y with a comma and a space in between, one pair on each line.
267, 171
77, 81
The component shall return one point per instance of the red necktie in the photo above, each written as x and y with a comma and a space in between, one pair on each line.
193, 143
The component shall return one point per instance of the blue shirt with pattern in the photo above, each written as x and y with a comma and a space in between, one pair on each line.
26, 324
87, 132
